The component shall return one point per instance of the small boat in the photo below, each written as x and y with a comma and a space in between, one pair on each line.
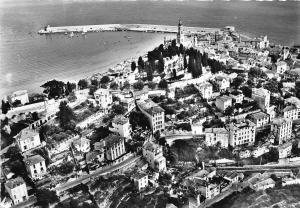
71, 34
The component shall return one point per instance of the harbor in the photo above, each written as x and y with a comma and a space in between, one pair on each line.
124, 27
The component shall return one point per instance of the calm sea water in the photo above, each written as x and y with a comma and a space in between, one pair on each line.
27, 59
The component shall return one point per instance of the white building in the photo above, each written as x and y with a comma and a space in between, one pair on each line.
242, 133
223, 102
121, 125
282, 128
28, 139
21, 95
285, 149
262, 96
260, 119
154, 113
291, 112
103, 98
36, 166
264, 184
223, 83
237, 98
82, 144
206, 90
140, 180
114, 147
215, 135
281, 67
153, 153
17, 190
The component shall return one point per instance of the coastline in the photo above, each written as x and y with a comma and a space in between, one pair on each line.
115, 55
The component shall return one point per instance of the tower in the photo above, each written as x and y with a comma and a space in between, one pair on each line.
180, 37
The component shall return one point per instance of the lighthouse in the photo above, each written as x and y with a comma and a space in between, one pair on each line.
180, 36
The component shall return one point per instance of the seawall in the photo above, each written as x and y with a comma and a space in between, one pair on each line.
125, 27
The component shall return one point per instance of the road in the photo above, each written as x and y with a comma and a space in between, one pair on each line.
99, 172
260, 167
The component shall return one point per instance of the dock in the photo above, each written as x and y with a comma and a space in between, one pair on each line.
125, 27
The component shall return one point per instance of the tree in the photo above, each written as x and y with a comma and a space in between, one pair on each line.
54, 88
156, 135
151, 85
104, 80
161, 65
16, 103
137, 118
114, 86
126, 85
118, 109
70, 87
246, 91
133, 66
185, 65
65, 114
66, 168
95, 82
149, 70
13, 153
229, 110
141, 62
273, 86
5, 106
46, 197
174, 74
236, 82
83, 84
139, 85
35, 116
163, 84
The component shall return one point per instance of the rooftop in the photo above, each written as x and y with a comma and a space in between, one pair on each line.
139, 175
81, 141
150, 107
281, 121
150, 146
288, 108
224, 98
15, 182
26, 133
259, 115
18, 93
216, 130
33, 160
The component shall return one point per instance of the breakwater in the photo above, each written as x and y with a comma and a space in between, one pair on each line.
125, 27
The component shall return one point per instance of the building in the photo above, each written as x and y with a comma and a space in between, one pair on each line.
154, 113
114, 147
233, 176
17, 190
140, 180
282, 129
103, 98
242, 133
216, 135
260, 119
209, 190
121, 125
153, 153
36, 166
281, 67
223, 83
82, 144
206, 90
223, 102
21, 95
237, 97
285, 149
291, 112
264, 184
28, 139
174, 63
180, 35
262, 96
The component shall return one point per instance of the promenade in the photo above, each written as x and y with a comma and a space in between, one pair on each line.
125, 27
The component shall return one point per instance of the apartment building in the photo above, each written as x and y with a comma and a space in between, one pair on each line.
153, 153
242, 133
36, 166
103, 98
216, 135
114, 147
282, 129
121, 125
206, 90
291, 112
223, 102
154, 113
260, 119
262, 96
17, 190
140, 180
28, 139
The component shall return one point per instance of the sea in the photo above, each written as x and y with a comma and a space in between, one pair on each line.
27, 59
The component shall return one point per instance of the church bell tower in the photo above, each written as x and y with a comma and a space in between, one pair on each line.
180, 37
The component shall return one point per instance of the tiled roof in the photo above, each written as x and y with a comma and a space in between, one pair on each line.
15, 182
26, 133
33, 160
120, 120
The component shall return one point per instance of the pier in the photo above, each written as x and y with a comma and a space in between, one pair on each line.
125, 27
